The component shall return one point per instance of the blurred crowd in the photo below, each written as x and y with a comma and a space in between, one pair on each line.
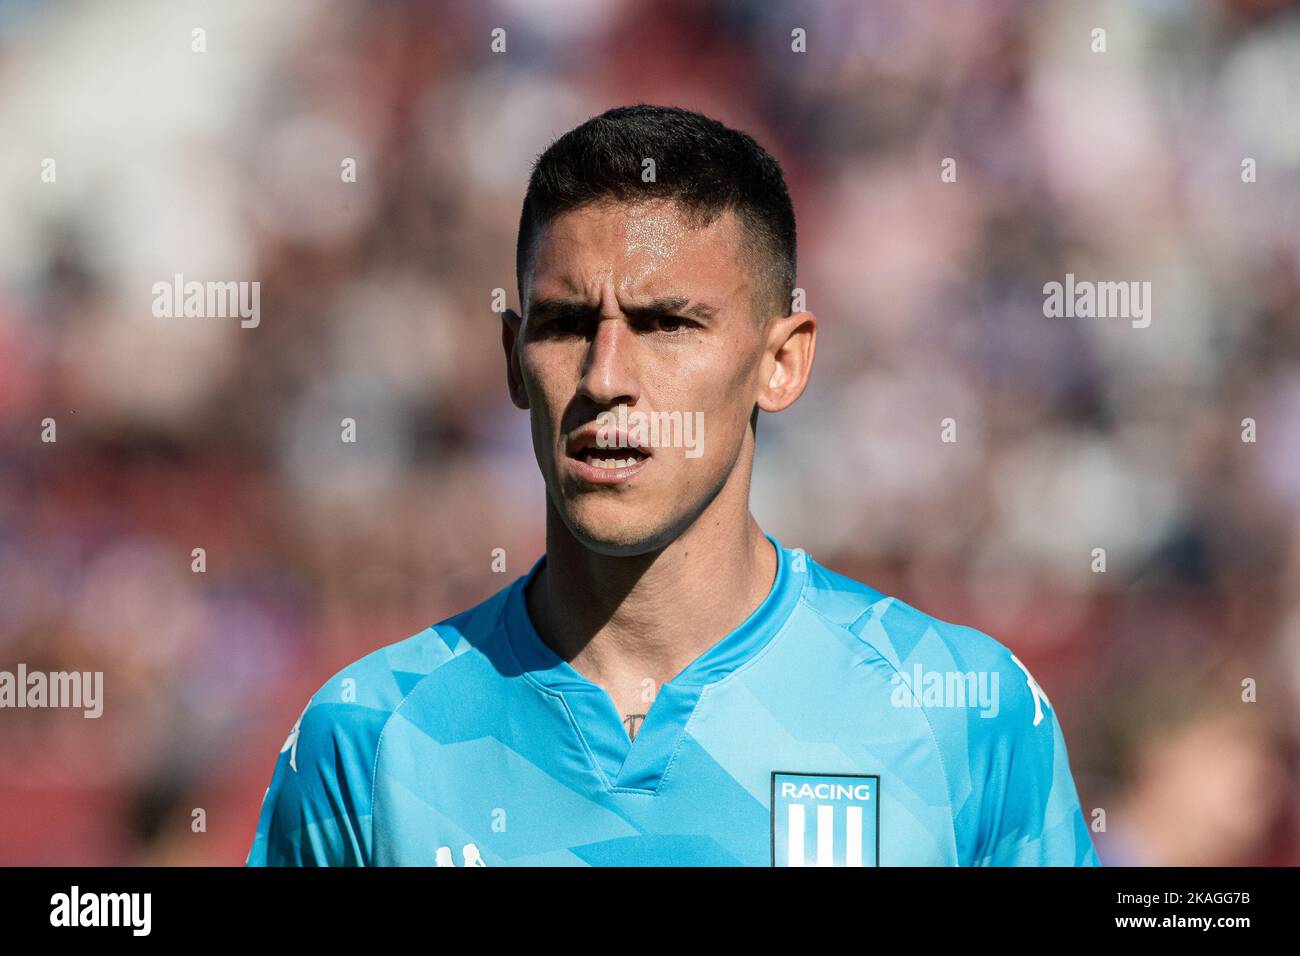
1073, 434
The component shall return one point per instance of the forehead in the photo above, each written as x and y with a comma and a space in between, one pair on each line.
646, 247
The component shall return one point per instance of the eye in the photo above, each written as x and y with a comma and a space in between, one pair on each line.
561, 326
672, 324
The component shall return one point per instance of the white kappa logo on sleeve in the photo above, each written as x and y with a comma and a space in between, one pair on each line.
1035, 690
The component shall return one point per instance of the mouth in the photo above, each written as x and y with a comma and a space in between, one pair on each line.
598, 465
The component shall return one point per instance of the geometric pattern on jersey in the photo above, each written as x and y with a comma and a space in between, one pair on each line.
901, 740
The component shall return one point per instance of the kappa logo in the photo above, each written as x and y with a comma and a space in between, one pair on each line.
468, 853
1039, 697
291, 742
825, 819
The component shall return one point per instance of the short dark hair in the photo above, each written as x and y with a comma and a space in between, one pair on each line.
700, 164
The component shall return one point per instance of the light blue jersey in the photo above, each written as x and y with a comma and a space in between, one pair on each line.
834, 727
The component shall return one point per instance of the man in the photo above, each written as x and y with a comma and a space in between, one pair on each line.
669, 685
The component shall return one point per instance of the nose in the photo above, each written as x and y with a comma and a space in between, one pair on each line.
610, 375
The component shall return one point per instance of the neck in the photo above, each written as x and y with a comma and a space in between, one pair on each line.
621, 621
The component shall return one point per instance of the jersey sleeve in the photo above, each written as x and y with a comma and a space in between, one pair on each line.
1029, 811
316, 811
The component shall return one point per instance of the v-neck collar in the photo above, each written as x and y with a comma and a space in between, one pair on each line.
638, 765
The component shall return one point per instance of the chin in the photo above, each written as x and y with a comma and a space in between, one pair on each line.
618, 531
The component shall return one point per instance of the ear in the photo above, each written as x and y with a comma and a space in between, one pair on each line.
791, 346
511, 323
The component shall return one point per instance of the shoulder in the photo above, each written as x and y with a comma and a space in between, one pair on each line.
318, 806
351, 708
952, 661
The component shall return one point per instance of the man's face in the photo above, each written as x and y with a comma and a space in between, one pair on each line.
628, 305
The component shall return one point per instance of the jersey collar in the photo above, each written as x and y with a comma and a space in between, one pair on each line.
733, 650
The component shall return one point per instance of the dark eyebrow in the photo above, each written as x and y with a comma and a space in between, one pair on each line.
543, 309
579, 309
674, 305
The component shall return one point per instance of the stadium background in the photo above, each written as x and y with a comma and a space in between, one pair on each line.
1073, 433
